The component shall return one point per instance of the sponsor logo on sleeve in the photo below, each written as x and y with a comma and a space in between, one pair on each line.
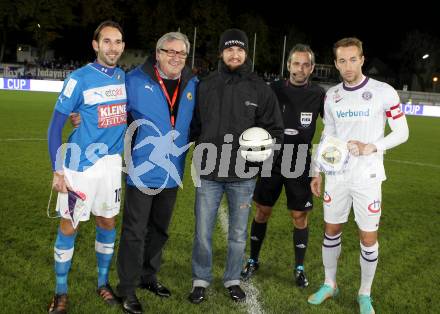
70, 87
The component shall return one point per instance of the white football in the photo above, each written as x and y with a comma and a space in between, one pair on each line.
256, 144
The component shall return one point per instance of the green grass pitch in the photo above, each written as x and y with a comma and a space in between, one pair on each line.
407, 279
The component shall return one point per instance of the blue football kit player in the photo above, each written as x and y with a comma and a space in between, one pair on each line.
88, 177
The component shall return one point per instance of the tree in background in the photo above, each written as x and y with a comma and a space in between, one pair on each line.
211, 19
154, 19
415, 71
254, 24
10, 20
45, 20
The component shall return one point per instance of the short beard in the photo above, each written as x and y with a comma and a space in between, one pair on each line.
296, 83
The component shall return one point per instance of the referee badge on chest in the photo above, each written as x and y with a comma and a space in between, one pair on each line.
306, 119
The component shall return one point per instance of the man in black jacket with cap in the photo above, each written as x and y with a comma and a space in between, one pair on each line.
229, 101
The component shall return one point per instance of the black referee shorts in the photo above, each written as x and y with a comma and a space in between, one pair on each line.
298, 192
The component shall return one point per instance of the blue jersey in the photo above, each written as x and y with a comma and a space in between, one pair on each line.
98, 94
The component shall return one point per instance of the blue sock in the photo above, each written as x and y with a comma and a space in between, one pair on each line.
63, 252
104, 244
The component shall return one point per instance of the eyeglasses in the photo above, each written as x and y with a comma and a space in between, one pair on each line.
172, 53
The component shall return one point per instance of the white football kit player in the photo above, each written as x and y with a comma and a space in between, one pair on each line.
360, 113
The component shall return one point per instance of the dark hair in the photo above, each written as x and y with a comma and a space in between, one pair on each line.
348, 42
302, 48
107, 23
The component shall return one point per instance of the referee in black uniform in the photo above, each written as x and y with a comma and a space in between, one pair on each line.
301, 102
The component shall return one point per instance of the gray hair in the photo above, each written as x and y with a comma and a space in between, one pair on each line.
302, 48
173, 36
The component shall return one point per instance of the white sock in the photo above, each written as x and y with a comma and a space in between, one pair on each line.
368, 260
331, 249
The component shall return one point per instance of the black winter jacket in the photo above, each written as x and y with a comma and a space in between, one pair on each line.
229, 102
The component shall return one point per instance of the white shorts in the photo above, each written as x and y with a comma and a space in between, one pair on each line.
366, 199
101, 186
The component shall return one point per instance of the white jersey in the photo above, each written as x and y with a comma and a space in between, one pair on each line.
359, 113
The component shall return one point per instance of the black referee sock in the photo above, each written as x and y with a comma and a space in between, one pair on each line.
300, 242
258, 232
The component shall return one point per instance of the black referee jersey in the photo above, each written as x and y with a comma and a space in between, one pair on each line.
300, 107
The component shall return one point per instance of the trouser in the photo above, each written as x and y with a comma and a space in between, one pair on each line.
208, 198
144, 233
